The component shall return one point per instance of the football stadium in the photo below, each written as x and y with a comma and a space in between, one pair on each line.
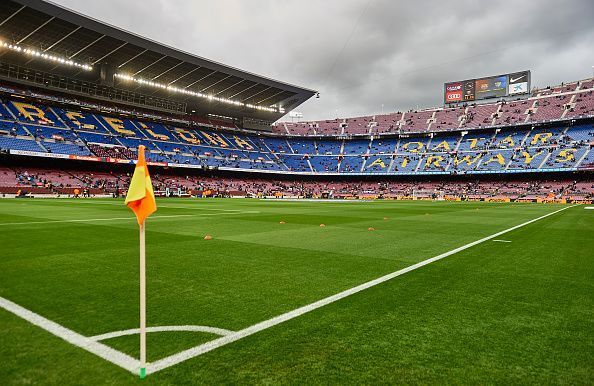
170, 219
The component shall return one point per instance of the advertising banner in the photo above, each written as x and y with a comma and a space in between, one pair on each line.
453, 92
491, 87
518, 83
488, 87
469, 90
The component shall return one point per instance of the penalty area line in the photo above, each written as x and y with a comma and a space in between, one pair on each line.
219, 342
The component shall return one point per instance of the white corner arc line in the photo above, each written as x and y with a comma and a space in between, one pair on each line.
109, 354
214, 344
134, 331
502, 241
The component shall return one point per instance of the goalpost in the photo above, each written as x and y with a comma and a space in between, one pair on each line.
428, 194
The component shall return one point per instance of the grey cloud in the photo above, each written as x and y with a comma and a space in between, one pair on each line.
399, 55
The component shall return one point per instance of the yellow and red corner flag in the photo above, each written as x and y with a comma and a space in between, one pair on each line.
140, 197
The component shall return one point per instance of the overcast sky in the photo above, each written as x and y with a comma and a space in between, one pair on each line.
362, 54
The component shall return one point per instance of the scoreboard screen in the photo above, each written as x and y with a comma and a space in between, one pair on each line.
498, 86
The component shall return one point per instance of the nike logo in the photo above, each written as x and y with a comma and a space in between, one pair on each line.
512, 80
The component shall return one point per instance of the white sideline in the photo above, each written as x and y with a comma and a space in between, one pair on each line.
209, 346
87, 220
121, 203
125, 218
134, 331
315, 200
132, 365
109, 354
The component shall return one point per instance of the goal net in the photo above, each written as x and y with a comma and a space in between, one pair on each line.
428, 194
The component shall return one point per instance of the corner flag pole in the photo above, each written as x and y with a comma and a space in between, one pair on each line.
142, 303
141, 199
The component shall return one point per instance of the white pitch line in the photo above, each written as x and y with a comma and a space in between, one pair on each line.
316, 200
109, 354
88, 220
214, 344
121, 203
124, 218
589, 207
502, 241
135, 331
198, 208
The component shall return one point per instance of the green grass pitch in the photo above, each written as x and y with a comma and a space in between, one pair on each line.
518, 312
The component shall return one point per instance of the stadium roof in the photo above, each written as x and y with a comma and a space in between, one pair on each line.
68, 36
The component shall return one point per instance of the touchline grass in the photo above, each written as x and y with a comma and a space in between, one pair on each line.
520, 311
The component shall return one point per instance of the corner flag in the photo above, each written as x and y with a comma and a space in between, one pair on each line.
141, 199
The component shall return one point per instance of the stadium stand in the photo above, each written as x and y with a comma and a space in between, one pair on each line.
44, 181
552, 131
570, 100
431, 141
386, 123
94, 113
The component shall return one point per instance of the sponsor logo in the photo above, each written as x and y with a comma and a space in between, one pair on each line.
514, 80
518, 88
453, 92
469, 90
500, 83
119, 161
85, 158
518, 77
492, 86
38, 154
482, 85
453, 96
